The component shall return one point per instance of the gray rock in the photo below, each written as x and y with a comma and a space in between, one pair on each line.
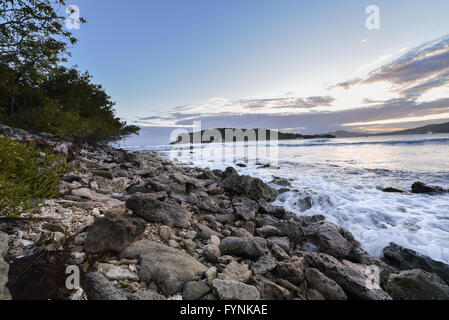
315, 295
98, 287
351, 280
245, 207
212, 253
406, 259
279, 253
417, 285
4, 267
283, 242
270, 290
195, 290
328, 287
113, 233
205, 233
236, 272
264, 264
251, 248
232, 290
168, 268
269, 231
153, 210
252, 187
146, 295
291, 270
268, 208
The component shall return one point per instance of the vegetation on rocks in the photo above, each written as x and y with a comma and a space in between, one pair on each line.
27, 175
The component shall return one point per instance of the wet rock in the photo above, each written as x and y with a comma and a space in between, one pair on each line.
268, 208
328, 287
236, 272
113, 233
251, 248
352, 281
291, 270
168, 268
392, 190
406, 259
252, 187
195, 290
232, 290
419, 187
245, 207
264, 264
153, 210
4, 267
417, 285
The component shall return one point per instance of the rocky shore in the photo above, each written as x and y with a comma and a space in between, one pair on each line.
140, 227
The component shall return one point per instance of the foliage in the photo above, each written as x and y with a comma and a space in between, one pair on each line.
27, 175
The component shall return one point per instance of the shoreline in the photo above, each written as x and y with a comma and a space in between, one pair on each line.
141, 227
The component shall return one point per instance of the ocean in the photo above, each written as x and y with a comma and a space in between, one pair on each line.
343, 179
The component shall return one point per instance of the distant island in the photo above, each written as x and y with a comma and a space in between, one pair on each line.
280, 135
432, 128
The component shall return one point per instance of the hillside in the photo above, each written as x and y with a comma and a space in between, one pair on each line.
281, 135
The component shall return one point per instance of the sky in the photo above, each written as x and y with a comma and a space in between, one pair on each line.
294, 65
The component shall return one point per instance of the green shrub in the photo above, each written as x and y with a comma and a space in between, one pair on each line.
27, 175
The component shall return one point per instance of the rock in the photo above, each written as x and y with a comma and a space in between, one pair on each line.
113, 233
252, 187
245, 207
117, 273
406, 259
291, 270
172, 243
168, 268
268, 208
236, 272
352, 281
153, 210
315, 295
98, 287
419, 187
264, 264
5, 130
146, 295
328, 287
215, 240
232, 290
309, 247
240, 233
195, 290
211, 275
283, 242
417, 285
270, 290
53, 227
212, 253
392, 190
251, 248
269, 231
279, 253
4, 267
205, 233
165, 232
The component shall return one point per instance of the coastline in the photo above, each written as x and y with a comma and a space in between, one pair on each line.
140, 227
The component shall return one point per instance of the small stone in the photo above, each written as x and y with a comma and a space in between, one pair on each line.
215, 240
212, 253
232, 290
172, 244
165, 232
195, 290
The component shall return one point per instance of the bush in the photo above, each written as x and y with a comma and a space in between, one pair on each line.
27, 175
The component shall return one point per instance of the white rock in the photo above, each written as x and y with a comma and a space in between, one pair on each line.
215, 240
117, 273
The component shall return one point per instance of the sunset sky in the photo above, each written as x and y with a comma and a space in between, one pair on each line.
298, 66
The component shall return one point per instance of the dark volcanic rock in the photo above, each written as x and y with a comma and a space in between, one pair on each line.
328, 287
392, 190
419, 187
113, 233
252, 248
291, 270
245, 207
406, 259
254, 188
417, 285
153, 210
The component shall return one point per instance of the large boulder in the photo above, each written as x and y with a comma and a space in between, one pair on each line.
406, 259
168, 268
417, 285
245, 207
4, 267
153, 210
419, 187
328, 287
113, 232
353, 281
232, 290
251, 248
254, 188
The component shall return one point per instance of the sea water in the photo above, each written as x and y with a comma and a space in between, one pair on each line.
343, 179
